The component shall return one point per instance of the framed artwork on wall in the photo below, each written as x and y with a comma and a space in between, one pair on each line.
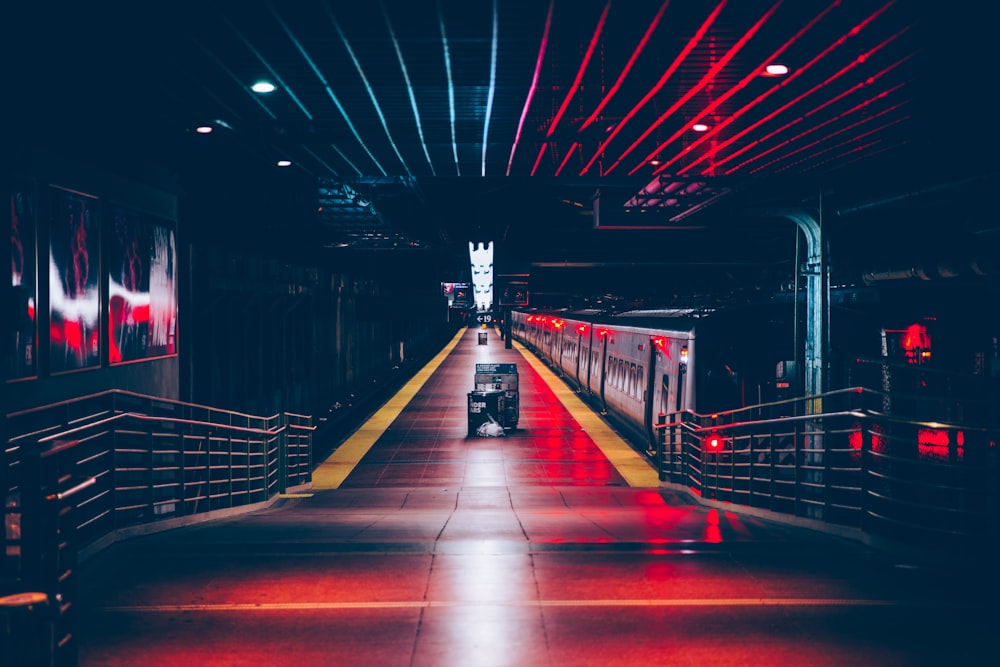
74, 281
142, 286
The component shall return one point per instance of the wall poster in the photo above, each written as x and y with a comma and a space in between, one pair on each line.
24, 281
74, 281
142, 287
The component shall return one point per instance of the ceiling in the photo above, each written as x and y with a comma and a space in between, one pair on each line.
562, 130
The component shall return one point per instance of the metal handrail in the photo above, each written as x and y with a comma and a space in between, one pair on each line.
855, 467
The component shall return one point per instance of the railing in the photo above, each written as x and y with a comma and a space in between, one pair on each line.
837, 459
153, 459
84, 470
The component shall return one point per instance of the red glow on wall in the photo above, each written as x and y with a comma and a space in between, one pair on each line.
941, 444
914, 342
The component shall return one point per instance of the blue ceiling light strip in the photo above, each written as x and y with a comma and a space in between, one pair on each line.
277, 78
320, 160
368, 87
451, 89
333, 96
409, 87
493, 85
351, 164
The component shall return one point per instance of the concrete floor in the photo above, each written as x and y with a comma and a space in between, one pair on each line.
422, 547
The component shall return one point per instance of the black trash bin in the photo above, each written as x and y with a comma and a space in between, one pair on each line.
27, 630
485, 406
482, 338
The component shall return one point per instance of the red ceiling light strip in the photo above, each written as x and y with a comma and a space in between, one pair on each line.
716, 148
693, 42
852, 150
541, 152
694, 90
579, 73
822, 140
863, 152
628, 66
735, 89
533, 88
566, 159
812, 129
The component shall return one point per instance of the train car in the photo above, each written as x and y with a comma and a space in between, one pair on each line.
637, 366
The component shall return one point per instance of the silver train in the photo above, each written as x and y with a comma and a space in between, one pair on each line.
640, 366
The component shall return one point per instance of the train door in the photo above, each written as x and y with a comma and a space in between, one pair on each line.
604, 371
646, 395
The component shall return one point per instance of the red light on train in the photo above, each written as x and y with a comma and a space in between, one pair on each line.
558, 324
660, 343
531, 318
582, 329
602, 333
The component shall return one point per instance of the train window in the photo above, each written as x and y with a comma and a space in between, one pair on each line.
631, 380
640, 386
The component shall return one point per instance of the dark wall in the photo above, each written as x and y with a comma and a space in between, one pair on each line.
264, 322
43, 178
267, 334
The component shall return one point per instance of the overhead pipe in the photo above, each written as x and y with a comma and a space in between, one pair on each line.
942, 270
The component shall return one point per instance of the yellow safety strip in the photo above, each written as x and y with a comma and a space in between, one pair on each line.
332, 472
637, 470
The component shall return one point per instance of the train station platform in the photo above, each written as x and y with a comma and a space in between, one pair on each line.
551, 545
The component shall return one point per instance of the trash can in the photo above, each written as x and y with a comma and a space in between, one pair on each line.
501, 377
485, 407
27, 630
482, 338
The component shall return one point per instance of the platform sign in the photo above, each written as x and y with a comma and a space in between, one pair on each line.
514, 294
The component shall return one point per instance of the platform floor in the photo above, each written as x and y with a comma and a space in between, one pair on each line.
553, 545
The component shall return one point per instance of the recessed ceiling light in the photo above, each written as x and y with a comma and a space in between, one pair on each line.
699, 127
655, 162
262, 87
204, 129
776, 69
284, 163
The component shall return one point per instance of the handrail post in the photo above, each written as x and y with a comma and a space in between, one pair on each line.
282, 453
